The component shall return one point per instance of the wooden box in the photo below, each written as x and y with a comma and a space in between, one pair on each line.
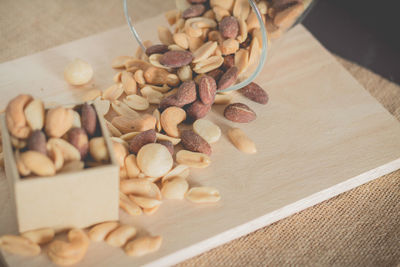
66, 200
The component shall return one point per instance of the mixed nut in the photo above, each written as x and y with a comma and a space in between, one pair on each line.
213, 44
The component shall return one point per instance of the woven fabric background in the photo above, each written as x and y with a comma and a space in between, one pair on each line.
357, 228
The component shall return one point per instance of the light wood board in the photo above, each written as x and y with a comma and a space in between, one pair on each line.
320, 135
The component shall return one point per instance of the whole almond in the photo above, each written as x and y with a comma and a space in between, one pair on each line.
207, 89
195, 143
186, 93
176, 59
37, 142
58, 121
255, 93
79, 139
216, 74
142, 139
168, 145
170, 101
229, 27
156, 49
197, 110
229, 61
193, 11
89, 119
228, 78
238, 112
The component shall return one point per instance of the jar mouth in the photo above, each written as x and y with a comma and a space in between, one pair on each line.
264, 45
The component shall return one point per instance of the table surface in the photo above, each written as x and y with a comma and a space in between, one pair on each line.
359, 227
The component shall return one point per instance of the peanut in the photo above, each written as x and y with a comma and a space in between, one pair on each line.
140, 187
137, 102
123, 109
34, 114
175, 188
145, 202
143, 245
38, 163
193, 159
69, 152
181, 171
208, 130
78, 72
127, 125
131, 166
121, 235
113, 92
120, 153
153, 96
98, 149
128, 83
241, 141
40, 236
100, 231
165, 35
19, 245
128, 205
203, 195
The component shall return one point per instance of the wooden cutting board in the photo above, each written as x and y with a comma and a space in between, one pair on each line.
320, 135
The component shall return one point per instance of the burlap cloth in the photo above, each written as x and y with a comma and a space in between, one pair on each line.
357, 228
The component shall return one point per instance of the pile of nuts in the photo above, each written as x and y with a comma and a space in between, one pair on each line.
158, 100
57, 140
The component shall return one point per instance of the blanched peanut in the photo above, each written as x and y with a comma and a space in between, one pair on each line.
128, 205
34, 114
38, 163
69, 152
204, 51
181, 39
181, 171
98, 149
19, 245
208, 130
113, 92
241, 141
145, 202
40, 236
229, 46
175, 188
68, 253
137, 102
203, 195
165, 35
140, 187
132, 170
193, 159
100, 231
143, 245
121, 235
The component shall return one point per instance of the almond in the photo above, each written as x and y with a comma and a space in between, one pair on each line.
37, 142
255, 93
89, 119
207, 89
193, 11
186, 93
228, 78
229, 27
238, 112
176, 59
156, 49
195, 143
142, 139
197, 110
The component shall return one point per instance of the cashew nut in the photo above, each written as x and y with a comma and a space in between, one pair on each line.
170, 118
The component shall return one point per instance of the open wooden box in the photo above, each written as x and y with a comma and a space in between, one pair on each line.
66, 200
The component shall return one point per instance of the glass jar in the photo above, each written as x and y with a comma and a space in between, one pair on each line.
228, 39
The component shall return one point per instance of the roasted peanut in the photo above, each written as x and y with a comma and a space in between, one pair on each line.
128, 205
241, 141
98, 149
38, 163
193, 159
140, 187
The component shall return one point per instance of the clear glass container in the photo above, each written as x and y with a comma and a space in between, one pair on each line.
228, 32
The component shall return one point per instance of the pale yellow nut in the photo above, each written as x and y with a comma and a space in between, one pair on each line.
181, 171
208, 64
145, 202
78, 72
208, 130
220, 13
123, 109
137, 102
91, 95
113, 130
128, 205
285, 18
171, 117
175, 188
242, 60
193, 159
120, 153
172, 16
121, 235
263, 7
128, 83
131, 166
222, 99
203, 194
153, 96
241, 9
171, 92
225, 4
204, 51
98, 149
69, 152
164, 137
140, 55
129, 125
242, 31
99, 232
19, 245
58, 121
165, 35
68, 253
229, 46
119, 62
143, 245
38, 163
76, 122
154, 60
154, 160
22, 169
18, 143
139, 78
15, 117
195, 43
252, 22
185, 73
241, 141
140, 187
34, 114
209, 14
175, 47
113, 92
255, 53
137, 64
129, 136
40, 236
102, 106
151, 211
157, 115
181, 39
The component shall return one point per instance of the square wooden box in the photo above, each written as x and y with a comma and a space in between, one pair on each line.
66, 200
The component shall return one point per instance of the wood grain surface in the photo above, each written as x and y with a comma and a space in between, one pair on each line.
320, 135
